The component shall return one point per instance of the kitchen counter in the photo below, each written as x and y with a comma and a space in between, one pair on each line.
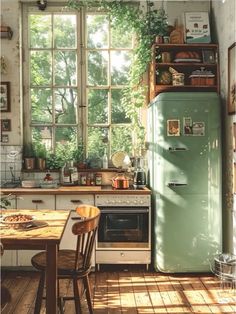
66, 190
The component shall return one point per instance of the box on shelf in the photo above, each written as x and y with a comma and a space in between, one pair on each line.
202, 77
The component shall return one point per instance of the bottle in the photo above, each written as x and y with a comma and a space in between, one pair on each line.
105, 160
73, 173
65, 174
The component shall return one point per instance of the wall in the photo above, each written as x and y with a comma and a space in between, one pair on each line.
224, 24
10, 50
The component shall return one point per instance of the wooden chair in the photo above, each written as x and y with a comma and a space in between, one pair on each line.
73, 264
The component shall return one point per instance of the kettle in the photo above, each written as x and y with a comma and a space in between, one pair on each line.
120, 181
139, 174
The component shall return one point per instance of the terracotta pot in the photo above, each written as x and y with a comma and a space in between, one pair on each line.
41, 163
120, 181
29, 163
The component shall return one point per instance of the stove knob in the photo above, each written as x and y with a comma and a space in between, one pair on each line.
127, 202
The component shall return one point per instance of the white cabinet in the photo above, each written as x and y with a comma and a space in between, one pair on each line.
73, 200
36, 201
9, 258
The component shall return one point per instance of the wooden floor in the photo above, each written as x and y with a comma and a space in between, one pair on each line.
129, 291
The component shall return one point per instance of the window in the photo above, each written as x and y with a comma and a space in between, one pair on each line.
74, 73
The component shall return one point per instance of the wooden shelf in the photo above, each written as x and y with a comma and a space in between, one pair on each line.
158, 67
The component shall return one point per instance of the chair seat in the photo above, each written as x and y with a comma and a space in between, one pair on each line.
65, 261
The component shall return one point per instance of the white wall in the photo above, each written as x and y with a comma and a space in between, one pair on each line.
10, 49
224, 16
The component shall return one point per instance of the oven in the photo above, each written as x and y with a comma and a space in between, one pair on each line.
124, 233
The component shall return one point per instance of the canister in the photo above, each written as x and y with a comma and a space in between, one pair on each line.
178, 79
98, 179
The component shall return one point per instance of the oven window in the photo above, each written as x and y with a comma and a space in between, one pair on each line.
123, 227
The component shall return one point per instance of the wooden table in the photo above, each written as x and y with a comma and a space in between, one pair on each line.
44, 238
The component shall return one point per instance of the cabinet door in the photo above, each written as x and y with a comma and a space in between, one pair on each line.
36, 201
32, 202
73, 200
9, 258
24, 257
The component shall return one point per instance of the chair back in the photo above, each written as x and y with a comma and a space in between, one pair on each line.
85, 229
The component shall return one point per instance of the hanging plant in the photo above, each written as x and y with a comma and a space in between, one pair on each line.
146, 26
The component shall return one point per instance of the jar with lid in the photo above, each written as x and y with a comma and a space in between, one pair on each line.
98, 179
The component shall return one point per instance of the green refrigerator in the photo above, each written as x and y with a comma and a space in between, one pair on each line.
184, 159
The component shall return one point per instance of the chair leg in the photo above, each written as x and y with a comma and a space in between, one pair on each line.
78, 309
39, 297
88, 293
60, 299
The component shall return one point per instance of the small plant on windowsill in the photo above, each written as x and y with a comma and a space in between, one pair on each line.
146, 24
29, 156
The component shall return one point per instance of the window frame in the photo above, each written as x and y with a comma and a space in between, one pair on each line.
82, 87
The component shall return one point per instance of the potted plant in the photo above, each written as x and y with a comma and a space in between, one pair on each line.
29, 156
41, 154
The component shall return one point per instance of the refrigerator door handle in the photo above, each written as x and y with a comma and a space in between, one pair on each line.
177, 149
176, 184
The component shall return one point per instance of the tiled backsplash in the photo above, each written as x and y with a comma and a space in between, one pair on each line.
11, 162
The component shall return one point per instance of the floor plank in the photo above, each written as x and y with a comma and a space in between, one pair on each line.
117, 290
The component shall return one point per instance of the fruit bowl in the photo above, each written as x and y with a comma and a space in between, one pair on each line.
17, 221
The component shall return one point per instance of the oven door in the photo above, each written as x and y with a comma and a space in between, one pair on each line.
123, 227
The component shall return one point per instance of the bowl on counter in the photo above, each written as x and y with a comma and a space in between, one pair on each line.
49, 185
29, 184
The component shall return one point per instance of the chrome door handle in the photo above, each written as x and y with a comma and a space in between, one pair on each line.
177, 149
176, 184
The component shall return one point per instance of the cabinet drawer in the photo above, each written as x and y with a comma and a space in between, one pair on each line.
73, 200
123, 257
36, 201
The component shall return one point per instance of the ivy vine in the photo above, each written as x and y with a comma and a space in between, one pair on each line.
146, 25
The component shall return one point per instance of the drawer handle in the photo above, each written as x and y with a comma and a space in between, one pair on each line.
76, 201
37, 201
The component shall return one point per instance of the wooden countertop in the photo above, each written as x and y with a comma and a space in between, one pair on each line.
66, 190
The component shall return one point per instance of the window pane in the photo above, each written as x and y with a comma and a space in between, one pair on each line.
42, 135
117, 109
65, 135
120, 65
65, 31
41, 67
121, 139
97, 106
40, 31
65, 68
65, 105
96, 145
41, 102
97, 68
97, 31
121, 39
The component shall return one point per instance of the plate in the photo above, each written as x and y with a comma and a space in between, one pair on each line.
120, 159
17, 221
